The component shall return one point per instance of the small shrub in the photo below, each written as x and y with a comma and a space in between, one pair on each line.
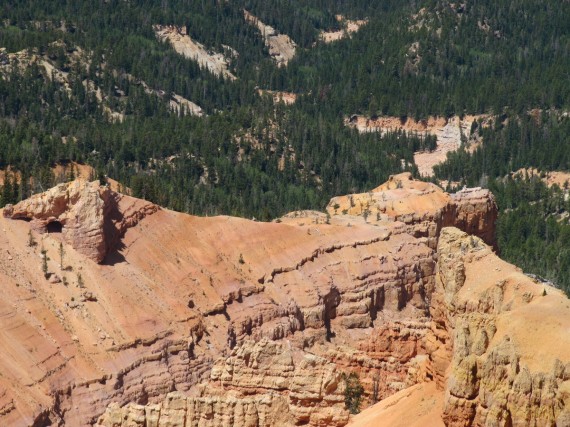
80, 283
352, 392
31, 240
61, 255
44, 263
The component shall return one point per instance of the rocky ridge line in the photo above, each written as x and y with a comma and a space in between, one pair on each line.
86, 213
494, 367
205, 343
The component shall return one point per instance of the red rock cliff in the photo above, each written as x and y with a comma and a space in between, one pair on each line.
206, 321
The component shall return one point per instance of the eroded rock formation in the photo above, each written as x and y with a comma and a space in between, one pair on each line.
264, 383
424, 207
86, 213
223, 321
498, 350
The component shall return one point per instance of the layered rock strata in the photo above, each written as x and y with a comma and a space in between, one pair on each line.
179, 292
499, 341
264, 383
86, 213
424, 207
223, 321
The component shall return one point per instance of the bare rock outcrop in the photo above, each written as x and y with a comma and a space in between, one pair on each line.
75, 209
85, 213
281, 46
178, 294
348, 27
475, 212
179, 410
499, 355
263, 383
216, 63
450, 132
423, 207
224, 321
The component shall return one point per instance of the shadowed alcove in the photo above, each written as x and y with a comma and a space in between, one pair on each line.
54, 227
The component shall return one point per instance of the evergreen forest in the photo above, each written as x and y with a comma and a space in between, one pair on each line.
90, 82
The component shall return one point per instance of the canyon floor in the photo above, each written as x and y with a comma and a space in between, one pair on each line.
116, 312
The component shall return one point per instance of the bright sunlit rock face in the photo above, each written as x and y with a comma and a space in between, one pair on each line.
253, 323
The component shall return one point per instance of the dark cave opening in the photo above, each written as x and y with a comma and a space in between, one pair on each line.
54, 227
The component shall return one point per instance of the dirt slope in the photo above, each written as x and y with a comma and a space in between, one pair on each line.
417, 406
349, 27
185, 46
281, 46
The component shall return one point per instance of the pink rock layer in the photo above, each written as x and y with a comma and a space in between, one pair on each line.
224, 321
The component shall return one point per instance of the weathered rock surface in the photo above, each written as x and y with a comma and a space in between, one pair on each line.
281, 47
348, 27
260, 384
423, 207
181, 42
224, 321
86, 214
501, 344
75, 209
498, 347
176, 293
451, 132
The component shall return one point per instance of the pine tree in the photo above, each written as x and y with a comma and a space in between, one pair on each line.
61, 255
352, 392
44, 262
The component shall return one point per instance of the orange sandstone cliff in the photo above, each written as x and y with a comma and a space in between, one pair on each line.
158, 318
498, 348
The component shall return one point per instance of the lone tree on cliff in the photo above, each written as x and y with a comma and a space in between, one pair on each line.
61, 255
44, 262
352, 392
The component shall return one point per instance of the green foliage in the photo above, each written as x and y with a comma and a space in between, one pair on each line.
249, 157
519, 60
533, 230
44, 263
514, 142
80, 282
353, 391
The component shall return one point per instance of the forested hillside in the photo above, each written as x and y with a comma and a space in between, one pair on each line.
534, 228
90, 82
